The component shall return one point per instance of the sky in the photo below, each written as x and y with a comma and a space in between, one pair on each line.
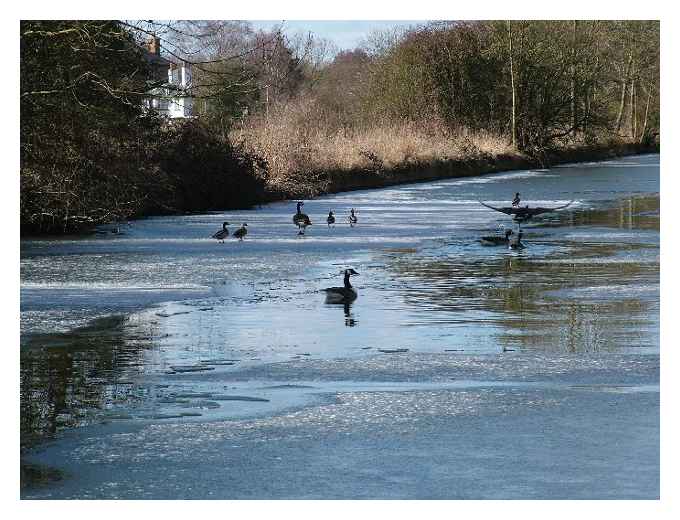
344, 34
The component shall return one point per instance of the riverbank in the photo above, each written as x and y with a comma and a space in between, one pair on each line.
330, 181
339, 180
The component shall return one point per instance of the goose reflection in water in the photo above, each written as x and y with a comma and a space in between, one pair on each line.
349, 317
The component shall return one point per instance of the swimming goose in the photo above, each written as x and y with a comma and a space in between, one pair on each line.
342, 294
330, 219
352, 218
300, 219
222, 233
516, 243
497, 240
241, 232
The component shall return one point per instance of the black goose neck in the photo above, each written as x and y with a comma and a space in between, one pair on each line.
347, 284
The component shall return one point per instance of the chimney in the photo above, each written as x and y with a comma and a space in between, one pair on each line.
154, 45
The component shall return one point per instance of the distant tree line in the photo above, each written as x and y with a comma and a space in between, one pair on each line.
538, 82
90, 153
562, 80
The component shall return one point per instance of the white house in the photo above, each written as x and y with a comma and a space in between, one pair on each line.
173, 98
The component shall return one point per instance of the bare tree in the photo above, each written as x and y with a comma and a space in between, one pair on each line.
513, 131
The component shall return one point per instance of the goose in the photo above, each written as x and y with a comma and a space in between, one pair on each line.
497, 240
330, 219
516, 243
520, 214
300, 219
344, 294
526, 213
516, 200
352, 218
241, 232
222, 233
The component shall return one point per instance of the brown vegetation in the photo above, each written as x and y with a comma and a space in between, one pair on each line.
298, 146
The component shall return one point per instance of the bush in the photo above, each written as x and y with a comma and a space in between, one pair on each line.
207, 172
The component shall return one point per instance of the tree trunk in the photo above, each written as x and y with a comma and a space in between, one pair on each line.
586, 115
574, 122
267, 103
632, 110
644, 125
512, 85
624, 89
619, 117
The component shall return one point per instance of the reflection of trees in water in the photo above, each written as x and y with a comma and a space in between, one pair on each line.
512, 291
573, 326
637, 212
65, 377
583, 331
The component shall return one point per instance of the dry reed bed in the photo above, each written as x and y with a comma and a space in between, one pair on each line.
298, 149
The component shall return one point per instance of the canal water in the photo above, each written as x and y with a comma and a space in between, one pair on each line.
157, 362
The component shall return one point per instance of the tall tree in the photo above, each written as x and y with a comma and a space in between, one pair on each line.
513, 131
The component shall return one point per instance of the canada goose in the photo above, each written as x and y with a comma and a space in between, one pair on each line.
520, 215
330, 219
300, 219
497, 240
241, 232
342, 294
352, 218
222, 233
516, 200
516, 243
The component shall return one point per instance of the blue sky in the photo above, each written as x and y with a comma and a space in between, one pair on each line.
345, 34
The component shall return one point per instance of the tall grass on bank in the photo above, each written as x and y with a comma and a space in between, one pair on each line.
302, 147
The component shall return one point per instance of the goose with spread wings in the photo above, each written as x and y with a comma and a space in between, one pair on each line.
526, 213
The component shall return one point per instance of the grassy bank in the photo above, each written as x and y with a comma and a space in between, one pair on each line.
334, 181
305, 160
354, 179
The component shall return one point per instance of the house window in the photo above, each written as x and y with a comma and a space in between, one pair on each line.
174, 76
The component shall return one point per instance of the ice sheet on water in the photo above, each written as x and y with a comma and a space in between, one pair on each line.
429, 284
466, 427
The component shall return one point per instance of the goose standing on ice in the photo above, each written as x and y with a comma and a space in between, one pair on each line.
330, 219
241, 232
344, 294
516, 200
300, 219
222, 233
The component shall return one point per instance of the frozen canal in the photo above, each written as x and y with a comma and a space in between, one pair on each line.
158, 363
